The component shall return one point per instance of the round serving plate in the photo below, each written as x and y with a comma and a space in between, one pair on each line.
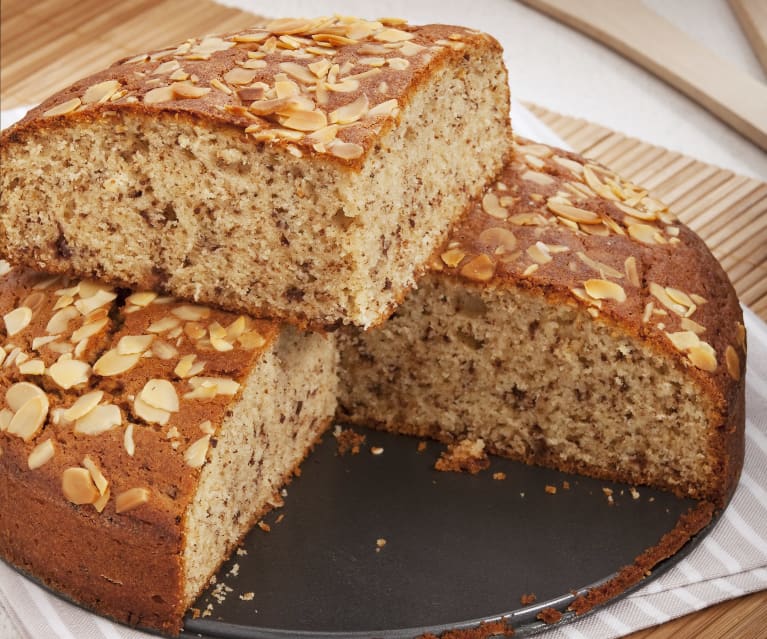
385, 546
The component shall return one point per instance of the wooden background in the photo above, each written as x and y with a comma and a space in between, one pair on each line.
47, 44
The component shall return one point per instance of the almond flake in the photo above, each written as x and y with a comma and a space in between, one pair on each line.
113, 363
190, 313
132, 344
196, 454
20, 393
164, 324
703, 356
77, 486
539, 253
161, 394
603, 269
479, 269
32, 367
160, 94
388, 109
345, 150
84, 405
732, 361
17, 320
605, 290
29, 419
96, 475
392, 35
350, 112
63, 108
99, 420
492, 206
142, 298
150, 414
41, 455
573, 213
100, 92
499, 238
69, 372
130, 499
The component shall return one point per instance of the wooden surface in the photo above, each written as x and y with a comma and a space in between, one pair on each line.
47, 44
643, 36
752, 15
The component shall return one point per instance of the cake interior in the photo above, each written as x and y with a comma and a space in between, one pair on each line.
286, 404
538, 382
208, 213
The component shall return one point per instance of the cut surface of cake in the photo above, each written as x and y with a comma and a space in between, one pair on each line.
570, 320
302, 170
141, 437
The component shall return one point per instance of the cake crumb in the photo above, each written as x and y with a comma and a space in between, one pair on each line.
528, 598
264, 526
280, 517
468, 455
380, 543
241, 552
208, 611
549, 615
376, 450
234, 571
634, 493
247, 596
421, 446
348, 440
499, 476
551, 490
566, 485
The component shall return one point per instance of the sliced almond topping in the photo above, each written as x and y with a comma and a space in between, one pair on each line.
101, 92
88, 304
347, 85
298, 72
643, 233
703, 356
389, 108
497, 237
345, 150
32, 367
740, 333
69, 372
99, 420
305, 120
161, 394
96, 475
539, 253
29, 419
190, 313
733, 362
88, 330
19, 394
573, 213
453, 257
132, 344
102, 501
603, 269
492, 206
164, 350
78, 487
128, 443
150, 414
631, 270
392, 35
188, 90
661, 294
684, 340
41, 454
542, 179
350, 112
63, 108
680, 297
479, 269
142, 298
400, 64
197, 452
689, 325
240, 76
251, 340
112, 363
207, 427
17, 320
59, 322
647, 216
164, 324
130, 499
605, 290
84, 405
167, 67
220, 385
5, 418
160, 94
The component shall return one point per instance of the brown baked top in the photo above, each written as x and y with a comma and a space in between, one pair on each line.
575, 230
325, 86
112, 400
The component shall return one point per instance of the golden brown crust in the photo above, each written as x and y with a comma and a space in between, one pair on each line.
114, 478
281, 84
574, 231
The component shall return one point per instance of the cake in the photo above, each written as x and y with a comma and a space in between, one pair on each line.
301, 170
141, 437
571, 321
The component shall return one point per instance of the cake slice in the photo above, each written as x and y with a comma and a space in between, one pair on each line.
569, 321
141, 437
301, 170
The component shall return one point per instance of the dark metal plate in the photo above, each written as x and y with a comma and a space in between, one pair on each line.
459, 548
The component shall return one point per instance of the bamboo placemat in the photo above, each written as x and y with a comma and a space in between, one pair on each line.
45, 45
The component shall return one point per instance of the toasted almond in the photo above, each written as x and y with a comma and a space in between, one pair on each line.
164, 350
101, 92
643, 233
305, 120
78, 487
32, 367
733, 362
703, 356
188, 90
453, 257
112, 363
17, 320
29, 419
605, 290
160, 393
539, 253
130, 499
251, 340
345, 150
96, 475
497, 237
197, 452
132, 344
479, 269
684, 340
223, 385
573, 213
102, 501
150, 414
160, 94
128, 442
99, 420
69, 372
388, 108
350, 112
392, 35
20, 393
142, 298
88, 330
164, 324
41, 454
689, 325
661, 294
63, 108
632, 274
88, 304
59, 322
492, 206
83, 405
603, 269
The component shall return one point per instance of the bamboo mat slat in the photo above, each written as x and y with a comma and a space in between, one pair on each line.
46, 45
